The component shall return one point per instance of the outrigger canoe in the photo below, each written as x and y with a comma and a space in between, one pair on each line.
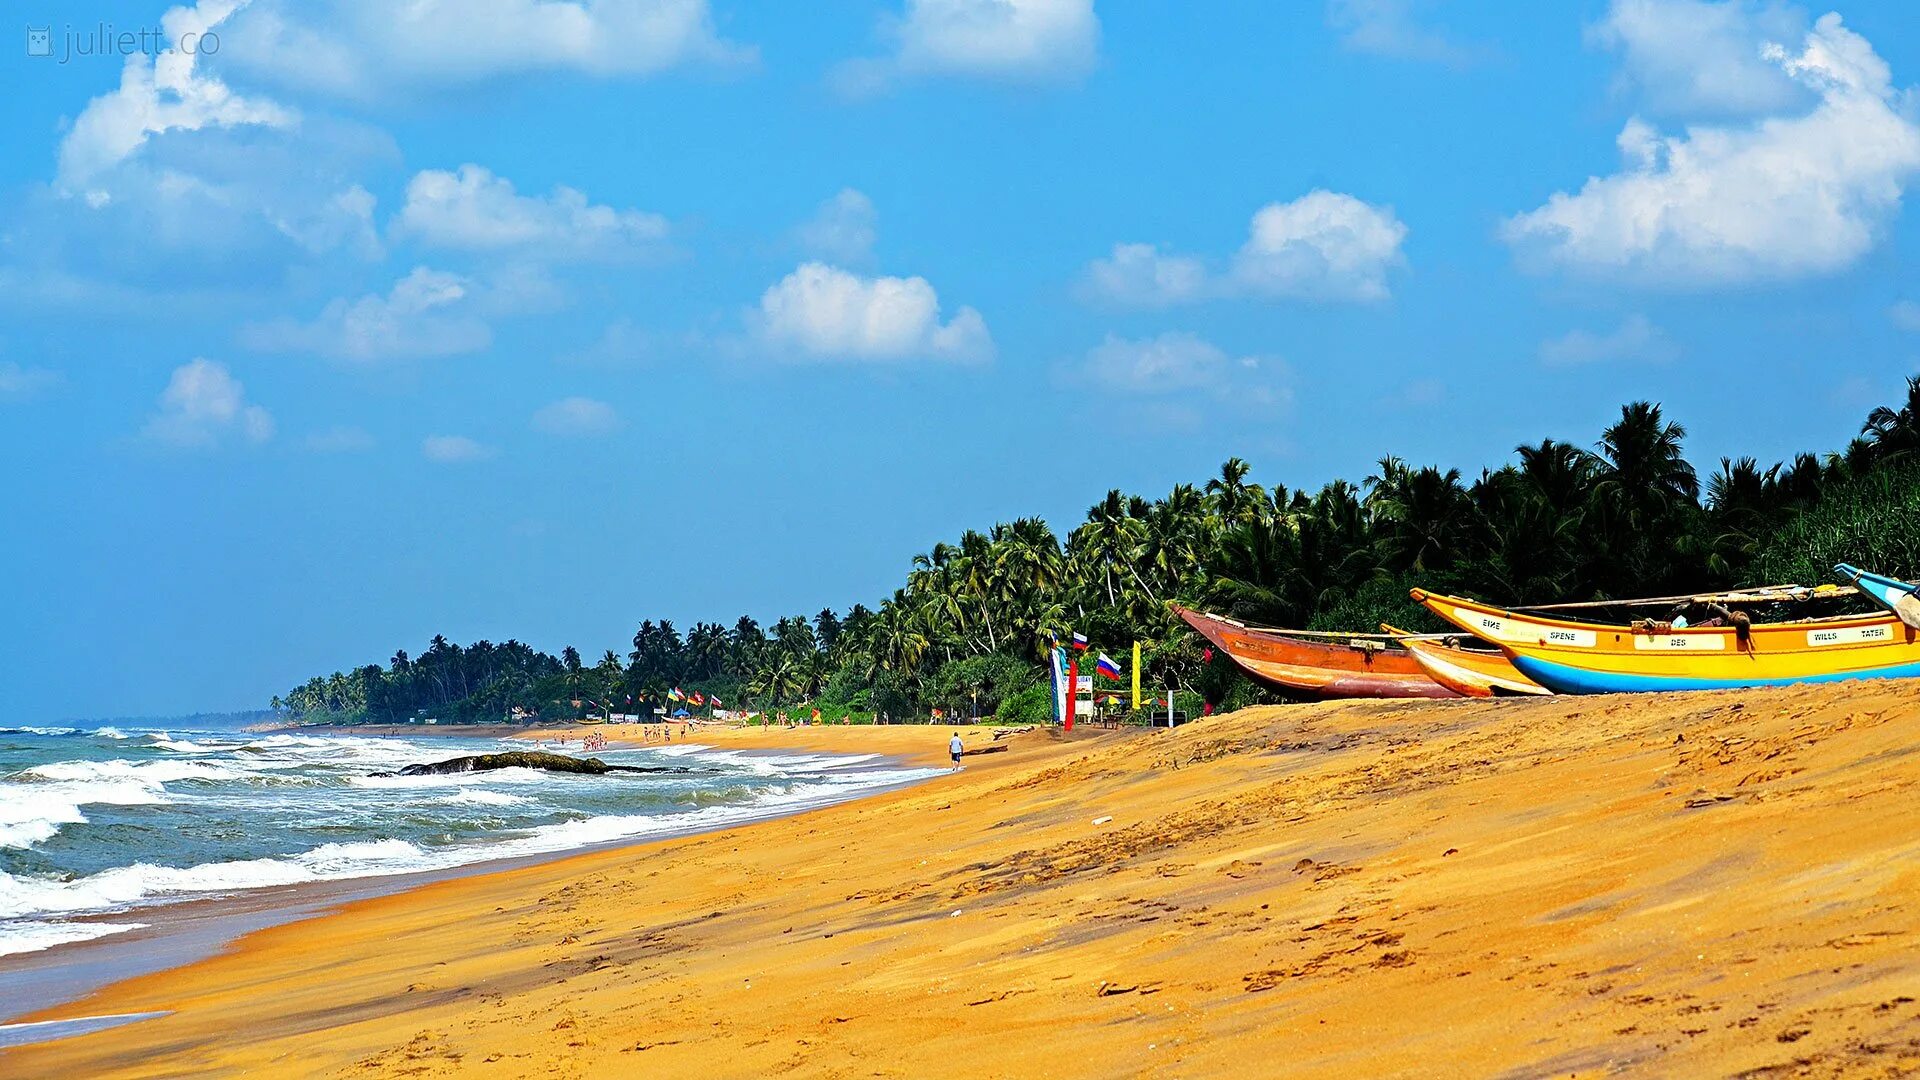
1898, 597
1359, 668
1467, 672
1570, 657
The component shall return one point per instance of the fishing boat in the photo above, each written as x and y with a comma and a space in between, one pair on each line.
1318, 665
1467, 672
1574, 657
1893, 594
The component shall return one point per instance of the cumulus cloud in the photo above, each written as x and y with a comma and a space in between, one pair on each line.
843, 229
204, 404
1787, 196
453, 450
19, 383
576, 416
1014, 40
474, 210
1143, 275
1634, 340
1702, 56
363, 49
822, 312
160, 93
1176, 362
1389, 28
425, 314
1321, 246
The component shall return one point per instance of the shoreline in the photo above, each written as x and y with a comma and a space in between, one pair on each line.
181, 932
1709, 883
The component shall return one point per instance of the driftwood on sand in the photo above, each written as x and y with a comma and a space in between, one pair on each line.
525, 759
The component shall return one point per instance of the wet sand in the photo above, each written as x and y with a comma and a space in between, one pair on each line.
1671, 885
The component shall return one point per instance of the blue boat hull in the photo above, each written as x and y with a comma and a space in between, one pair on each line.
1563, 679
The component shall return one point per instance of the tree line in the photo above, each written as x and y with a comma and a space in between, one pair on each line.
968, 629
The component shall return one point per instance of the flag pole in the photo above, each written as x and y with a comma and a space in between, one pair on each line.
1073, 687
1136, 676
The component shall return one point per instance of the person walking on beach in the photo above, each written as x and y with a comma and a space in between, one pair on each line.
953, 747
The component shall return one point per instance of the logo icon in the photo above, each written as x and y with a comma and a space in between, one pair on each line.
39, 41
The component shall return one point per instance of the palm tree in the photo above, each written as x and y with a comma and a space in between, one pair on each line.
1895, 433
1103, 549
1232, 499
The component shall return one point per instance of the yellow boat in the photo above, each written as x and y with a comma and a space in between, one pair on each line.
1570, 657
1468, 672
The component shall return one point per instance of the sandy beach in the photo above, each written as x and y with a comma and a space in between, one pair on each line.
1700, 884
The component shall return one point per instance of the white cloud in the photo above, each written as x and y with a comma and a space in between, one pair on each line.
1636, 339
1784, 197
1388, 28
474, 210
1905, 315
824, 312
1142, 275
1017, 40
843, 229
426, 314
1174, 362
19, 383
158, 94
453, 449
364, 49
339, 440
577, 416
202, 404
1321, 246
1694, 56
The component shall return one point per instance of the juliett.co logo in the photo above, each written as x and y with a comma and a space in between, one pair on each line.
103, 40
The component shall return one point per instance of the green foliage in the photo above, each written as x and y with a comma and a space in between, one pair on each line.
1031, 705
1872, 522
1381, 599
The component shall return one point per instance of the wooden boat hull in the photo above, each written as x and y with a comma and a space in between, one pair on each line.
1469, 672
1594, 658
1313, 668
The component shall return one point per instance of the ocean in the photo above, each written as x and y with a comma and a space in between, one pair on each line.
111, 822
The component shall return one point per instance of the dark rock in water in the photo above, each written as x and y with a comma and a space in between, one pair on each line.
520, 759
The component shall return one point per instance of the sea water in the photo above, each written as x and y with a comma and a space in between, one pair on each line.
110, 821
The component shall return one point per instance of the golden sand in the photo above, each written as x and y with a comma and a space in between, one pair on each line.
1671, 885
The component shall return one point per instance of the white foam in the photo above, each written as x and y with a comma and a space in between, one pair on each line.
471, 796
32, 813
37, 730
157, 772
32, 936
121, 887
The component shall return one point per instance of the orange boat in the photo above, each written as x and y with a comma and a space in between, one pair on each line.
1358, 667
1468, 672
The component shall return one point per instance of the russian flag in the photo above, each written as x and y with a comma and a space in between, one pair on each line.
1107, 667
716, 702
1079, 640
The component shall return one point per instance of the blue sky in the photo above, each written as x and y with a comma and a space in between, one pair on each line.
535, 319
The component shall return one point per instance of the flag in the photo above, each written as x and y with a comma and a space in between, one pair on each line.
676, 694
1106, 666
1079, 641
697, 699
716, 702
937, 714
